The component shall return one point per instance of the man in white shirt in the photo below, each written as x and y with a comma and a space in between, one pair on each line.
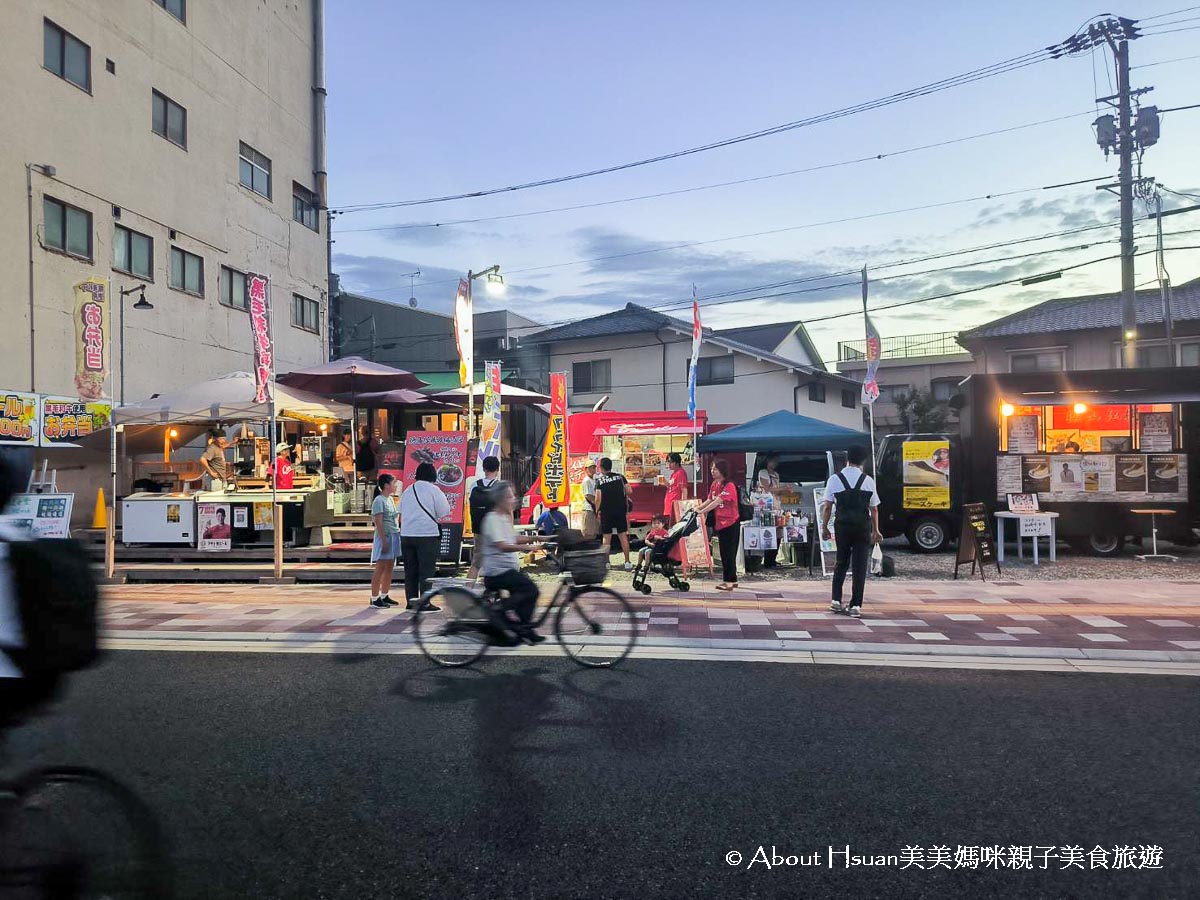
856, 527
590, 523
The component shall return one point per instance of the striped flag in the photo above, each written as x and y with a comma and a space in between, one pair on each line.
697, 337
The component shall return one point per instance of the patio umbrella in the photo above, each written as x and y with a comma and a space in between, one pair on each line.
399, 397
514, 396
228, 398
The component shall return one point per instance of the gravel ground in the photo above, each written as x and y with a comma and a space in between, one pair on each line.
934, 566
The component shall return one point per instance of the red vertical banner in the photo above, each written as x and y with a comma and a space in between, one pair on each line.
260, 331
555, 489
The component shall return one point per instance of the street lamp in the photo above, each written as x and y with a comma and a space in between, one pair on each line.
142, 304
495, 287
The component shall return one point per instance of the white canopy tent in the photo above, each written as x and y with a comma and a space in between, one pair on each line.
229, 398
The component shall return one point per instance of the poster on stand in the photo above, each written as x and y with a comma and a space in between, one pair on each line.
926, 474
64, 420
19, 424
1156, 432
216, 532
446, 451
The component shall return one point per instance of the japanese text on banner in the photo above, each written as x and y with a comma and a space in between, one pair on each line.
555, 491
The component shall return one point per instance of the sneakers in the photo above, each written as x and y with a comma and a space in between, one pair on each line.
628, 566
388, 600
417, 606
836, 607
379, 603
856, 612
532, 637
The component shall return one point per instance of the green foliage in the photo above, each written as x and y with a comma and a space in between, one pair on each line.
921, 413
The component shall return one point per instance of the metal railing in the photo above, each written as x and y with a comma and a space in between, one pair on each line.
942, 343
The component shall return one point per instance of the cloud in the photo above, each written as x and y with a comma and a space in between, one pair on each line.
1060, 213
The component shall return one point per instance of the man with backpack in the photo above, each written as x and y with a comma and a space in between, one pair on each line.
480, 502
856, 527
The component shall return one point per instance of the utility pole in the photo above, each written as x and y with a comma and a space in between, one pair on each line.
1125, 177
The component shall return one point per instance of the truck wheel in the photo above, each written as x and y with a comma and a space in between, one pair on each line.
1104, 543
928, 534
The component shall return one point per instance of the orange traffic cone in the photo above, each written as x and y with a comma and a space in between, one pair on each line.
100, 516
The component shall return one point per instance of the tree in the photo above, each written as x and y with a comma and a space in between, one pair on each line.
920, 412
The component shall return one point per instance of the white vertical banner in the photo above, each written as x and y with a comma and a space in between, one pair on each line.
464, 333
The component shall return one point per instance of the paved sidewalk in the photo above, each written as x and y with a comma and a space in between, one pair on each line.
1128, 622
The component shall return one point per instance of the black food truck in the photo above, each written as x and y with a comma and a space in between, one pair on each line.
1093, 445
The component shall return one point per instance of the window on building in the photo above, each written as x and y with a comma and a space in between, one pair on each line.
943, 388
305, 208
714, 369
591, 377
67, 228
849, 398
1037, 361
66, 56
816, 392
890, 393
177, 8
254, 170
168, 119
133, 253
187, 272
233, 289
306, 314
1189, 354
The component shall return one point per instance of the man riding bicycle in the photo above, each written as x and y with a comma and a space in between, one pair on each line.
498, 546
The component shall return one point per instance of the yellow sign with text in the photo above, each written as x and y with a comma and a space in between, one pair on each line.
926, 475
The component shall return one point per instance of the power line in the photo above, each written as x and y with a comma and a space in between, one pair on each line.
1009, 65
1163, 62
720, 184
1168, 14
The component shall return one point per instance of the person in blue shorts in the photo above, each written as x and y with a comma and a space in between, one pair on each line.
386, 546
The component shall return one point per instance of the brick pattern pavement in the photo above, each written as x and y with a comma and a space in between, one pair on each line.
1152, 620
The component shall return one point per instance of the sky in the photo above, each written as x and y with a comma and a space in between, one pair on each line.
430, 99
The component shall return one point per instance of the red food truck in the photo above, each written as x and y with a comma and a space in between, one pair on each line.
638, 444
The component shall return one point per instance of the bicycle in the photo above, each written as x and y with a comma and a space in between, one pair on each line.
75, 833
470, 622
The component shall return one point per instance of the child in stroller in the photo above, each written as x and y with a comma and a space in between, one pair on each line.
664, 556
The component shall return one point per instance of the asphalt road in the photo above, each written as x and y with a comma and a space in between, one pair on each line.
369, 776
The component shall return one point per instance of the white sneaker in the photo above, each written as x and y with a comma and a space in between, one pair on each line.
628, 567
855, 612
835, 606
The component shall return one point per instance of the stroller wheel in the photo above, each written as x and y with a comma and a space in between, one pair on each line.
684, 586
645, 588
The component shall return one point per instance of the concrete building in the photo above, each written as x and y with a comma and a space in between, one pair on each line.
168, 144
933, 363
1069, 333
640, 358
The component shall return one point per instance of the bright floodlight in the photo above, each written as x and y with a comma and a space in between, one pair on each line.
1006, 409
495, 284
1080, 408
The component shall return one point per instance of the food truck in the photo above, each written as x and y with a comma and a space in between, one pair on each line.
1094, 446
638, 444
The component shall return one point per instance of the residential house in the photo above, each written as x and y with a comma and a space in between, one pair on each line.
639, 358
1085, 333
933, 363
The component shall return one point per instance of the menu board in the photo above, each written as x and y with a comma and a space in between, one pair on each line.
975, 544
1099, 477
1156, 432
446, 451
1008, 475
40, 515
1022, 434
926, 474
1035, 475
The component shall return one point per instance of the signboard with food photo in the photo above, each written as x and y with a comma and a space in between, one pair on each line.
19, 419
1035, 474
926, 474
66, 419
446, 451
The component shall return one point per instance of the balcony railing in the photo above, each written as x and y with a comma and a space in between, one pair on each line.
943, 343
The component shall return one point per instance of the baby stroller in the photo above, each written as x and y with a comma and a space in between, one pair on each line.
664, 556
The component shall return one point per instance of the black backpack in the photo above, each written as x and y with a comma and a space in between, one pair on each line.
480, 502
853, 505
59, 602
745, 507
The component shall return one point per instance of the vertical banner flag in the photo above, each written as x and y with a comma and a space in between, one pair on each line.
91, 337
870, 388
697, 336
260, 332
555, 491
464, 332
489, 428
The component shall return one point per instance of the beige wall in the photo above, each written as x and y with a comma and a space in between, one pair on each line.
916, 372
243, 71
1083, 349
759, 387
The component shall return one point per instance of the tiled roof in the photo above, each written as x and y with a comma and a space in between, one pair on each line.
764, 337
1093, 312
630, 320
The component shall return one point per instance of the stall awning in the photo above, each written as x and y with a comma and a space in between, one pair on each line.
229, 399
623, 429
783, 432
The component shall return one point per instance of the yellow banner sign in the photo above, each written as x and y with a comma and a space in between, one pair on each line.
926, 474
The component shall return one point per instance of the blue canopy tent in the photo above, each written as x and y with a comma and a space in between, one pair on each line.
783, 432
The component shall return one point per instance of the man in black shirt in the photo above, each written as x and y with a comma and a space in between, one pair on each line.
612, 506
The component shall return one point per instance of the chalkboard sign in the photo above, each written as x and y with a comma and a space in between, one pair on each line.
976, 544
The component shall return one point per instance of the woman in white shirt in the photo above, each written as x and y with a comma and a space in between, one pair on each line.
422, 506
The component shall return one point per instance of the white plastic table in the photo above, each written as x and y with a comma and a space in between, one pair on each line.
1003, 515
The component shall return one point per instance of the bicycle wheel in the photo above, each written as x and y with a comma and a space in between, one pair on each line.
78, 833
596, 626
456, 635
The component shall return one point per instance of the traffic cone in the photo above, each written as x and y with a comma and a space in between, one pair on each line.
100, 516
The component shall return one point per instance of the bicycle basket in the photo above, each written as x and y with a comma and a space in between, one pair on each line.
587, 566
